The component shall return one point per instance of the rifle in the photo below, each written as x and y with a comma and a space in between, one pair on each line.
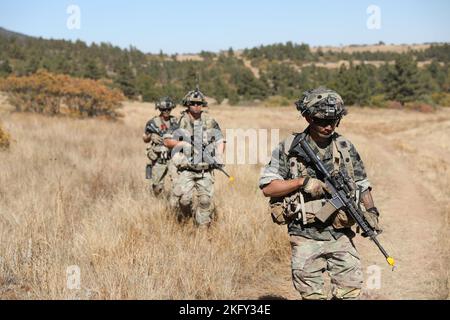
207, 159
340, 190
206, 151
151, 127
219, 167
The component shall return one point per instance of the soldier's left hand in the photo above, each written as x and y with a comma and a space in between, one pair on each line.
372, 216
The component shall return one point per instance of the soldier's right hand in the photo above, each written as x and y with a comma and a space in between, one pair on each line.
314, 187
146, 138
183, 146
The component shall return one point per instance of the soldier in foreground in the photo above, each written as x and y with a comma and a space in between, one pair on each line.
297, 191
197, 148
159, 165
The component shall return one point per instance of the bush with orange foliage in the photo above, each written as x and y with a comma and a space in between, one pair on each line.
4, 139
48, 93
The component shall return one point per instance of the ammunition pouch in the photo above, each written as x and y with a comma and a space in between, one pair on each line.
323, 208
291, 207
151, 154
284, 211
277, 213
342, 220
158, 153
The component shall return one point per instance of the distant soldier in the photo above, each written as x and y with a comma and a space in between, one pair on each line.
297, 194
159, 156
197, 148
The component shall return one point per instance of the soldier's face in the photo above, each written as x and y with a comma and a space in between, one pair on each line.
195, 108
324, 128
166, 113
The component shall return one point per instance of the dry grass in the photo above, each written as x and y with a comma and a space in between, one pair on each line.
72, 192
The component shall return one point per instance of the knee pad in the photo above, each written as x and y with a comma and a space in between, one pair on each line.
185, 201
204, 202
157, 189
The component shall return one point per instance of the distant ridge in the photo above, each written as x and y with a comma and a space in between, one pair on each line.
10, 34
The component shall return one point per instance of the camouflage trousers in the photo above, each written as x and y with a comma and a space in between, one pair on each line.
310, 258
182, 196
159, 173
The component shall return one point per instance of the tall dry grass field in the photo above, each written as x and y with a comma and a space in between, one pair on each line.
72, 192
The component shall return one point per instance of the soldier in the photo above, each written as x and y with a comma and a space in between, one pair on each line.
201, 143
159, 156
297, 194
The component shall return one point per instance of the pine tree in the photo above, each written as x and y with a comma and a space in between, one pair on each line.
191, 78
5, 68
32, 66
125, 79
219, 90
403, 82
147, 89
92, 70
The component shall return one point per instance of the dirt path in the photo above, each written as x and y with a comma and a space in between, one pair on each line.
412, 222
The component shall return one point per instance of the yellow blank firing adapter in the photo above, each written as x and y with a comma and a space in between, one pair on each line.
391, 262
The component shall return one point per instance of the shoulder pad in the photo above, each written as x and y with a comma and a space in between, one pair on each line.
287, 143
156, 120
183, 116
341, 141
209, 121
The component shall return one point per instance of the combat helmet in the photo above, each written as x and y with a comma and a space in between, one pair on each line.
195, 96
321, 103
165, 104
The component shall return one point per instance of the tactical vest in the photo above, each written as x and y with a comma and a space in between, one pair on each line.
301, 206
159, 123
199, 135
158, 152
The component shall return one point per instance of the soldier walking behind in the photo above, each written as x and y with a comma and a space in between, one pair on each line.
159, 165
197, 148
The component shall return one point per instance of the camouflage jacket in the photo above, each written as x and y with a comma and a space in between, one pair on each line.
281, 167
158, 126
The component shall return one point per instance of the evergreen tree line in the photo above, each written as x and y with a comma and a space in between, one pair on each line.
301, 53
225, 76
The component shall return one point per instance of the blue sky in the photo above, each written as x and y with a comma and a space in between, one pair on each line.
195, 25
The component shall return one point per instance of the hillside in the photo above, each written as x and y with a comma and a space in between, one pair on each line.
11, 34
280, 72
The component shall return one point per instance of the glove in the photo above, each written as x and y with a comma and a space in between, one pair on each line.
156, 138
371, 216
314, 187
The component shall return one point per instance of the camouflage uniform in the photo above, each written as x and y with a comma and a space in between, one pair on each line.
159, 155
194, 175
317, 247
